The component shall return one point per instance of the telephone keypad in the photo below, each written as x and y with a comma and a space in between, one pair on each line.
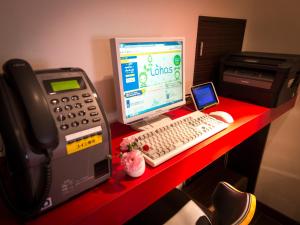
64, 126
75, 97
71, 115
54, 101
89, 100
68, 107
93, 113
67, 112
84, 121
57, 109
91, 107
85, 95
96, 119
78, 105
65, 99
81, 113
61, 117
75, 124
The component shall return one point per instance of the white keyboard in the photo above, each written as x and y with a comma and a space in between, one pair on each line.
170, 139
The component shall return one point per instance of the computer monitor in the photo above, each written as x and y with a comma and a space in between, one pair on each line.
149, 76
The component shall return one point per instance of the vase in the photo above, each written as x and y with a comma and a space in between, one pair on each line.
138, 172
134, 163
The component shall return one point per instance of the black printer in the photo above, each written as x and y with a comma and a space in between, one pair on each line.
265, 79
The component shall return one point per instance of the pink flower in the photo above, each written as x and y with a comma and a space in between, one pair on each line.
127, 144
132, 161
124, 146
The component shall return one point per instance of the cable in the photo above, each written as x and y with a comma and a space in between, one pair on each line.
48, 181
226, 160
39, 198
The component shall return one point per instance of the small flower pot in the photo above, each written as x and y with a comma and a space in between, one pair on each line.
134, 163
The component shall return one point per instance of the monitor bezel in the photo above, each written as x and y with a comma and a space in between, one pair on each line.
115, 43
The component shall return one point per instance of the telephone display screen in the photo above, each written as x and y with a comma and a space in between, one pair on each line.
204, 95
65, 85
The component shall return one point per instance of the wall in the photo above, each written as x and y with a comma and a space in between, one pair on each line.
276, 28
278, 183
75, 33
68, 33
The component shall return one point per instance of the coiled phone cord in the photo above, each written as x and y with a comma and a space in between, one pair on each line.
39, 199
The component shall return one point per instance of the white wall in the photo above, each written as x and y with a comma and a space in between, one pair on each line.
75, 33
275, 27
278, 183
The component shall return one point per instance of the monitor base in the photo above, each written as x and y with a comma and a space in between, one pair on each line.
149, 123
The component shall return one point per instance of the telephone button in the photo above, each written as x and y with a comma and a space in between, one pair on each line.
65, 99
64, 126
78, 105
96, 119
54, 101
85, 95
61, 117
68, 107
94, 113
57, 109
81, 113
75, 124
75, 97
88, 100
71, 115
91, 107
84, 121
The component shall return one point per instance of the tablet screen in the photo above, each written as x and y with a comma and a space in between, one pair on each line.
204, 95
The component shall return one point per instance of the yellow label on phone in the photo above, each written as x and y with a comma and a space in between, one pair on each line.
82, 144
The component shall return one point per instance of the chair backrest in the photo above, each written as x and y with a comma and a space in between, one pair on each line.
232, 206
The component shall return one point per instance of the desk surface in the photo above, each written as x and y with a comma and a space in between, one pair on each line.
121, 197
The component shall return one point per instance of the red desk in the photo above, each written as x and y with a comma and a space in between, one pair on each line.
121, 197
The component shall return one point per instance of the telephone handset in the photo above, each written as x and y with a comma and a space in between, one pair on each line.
20, 74
27, 126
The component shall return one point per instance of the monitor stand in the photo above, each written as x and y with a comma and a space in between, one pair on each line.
151, 122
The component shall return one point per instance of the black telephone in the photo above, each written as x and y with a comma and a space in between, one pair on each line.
47, 119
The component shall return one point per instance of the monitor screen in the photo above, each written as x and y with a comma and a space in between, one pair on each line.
204, 95
149, 76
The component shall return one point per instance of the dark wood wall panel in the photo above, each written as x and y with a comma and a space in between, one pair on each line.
217, 36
